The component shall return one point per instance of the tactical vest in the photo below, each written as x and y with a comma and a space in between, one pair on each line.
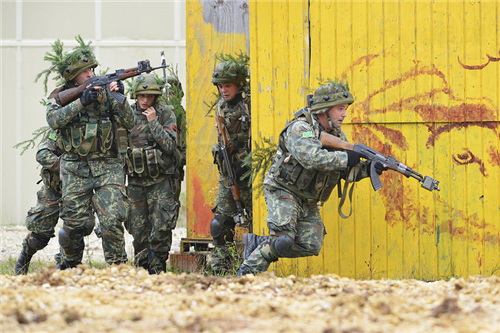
144, 156
311, 185
237, 121
92, 131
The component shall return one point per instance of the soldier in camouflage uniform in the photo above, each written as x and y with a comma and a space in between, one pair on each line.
176, 93
152, 163
92, 165
42, 218
303, 174
231, 80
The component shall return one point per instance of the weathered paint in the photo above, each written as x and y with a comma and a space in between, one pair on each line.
212, 27
426, 76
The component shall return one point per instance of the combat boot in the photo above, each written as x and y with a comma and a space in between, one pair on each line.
242, 271
23, 263
251, 241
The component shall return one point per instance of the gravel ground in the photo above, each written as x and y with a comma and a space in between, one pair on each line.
12, 237
124, 299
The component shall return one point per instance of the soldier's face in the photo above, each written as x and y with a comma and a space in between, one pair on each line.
228, 90
337, 114
84, 76
145, 101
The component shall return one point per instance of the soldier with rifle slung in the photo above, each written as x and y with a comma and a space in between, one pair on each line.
234, 198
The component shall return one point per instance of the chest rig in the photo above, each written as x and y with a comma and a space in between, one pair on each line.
310, 185
237, 122
144, 156
92, 131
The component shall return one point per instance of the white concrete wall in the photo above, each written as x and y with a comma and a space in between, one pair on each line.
123, 32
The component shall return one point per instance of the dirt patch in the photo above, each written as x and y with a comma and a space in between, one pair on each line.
124, 299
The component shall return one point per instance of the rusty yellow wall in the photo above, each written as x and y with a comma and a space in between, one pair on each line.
212, 27
425, 75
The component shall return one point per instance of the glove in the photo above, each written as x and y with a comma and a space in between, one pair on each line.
89, 96
352, 158
379, 168
121, 87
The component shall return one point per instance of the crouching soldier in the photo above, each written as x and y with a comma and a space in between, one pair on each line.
42, 219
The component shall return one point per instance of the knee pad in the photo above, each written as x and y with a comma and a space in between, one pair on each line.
216, 227
283, 245
88, 227
221, 231
64, 239
37, 242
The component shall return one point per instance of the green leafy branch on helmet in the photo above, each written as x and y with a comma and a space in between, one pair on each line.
57, 58
173, 96
258, 161
61, 60
39, 134
341, 85
241, 59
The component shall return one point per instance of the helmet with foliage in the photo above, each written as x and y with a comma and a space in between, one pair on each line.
231, 69
174, 85
331, 94
146, 84
67, 66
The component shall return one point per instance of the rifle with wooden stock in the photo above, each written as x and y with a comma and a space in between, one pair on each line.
333, 142
69, 95
225, 150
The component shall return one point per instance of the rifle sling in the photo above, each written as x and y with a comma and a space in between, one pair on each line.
351, 179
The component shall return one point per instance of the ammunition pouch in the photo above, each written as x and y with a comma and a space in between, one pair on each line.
151, 162
51, 179
310, 185
96, 137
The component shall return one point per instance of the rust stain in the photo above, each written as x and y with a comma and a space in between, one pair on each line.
494, 156
476, 67
364, 60
201, 216
479, 259
469, 158
436, 130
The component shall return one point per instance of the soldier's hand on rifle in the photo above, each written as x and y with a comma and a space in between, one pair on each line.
117, 86
89, 96
352, 158
150, 113
379, 168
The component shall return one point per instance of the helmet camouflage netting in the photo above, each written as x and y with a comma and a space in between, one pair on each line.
67, 66
331, 94
231, 69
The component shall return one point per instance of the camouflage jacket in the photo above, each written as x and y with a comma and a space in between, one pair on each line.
302, 166
237, 117
153, 153
47, 156
89, 131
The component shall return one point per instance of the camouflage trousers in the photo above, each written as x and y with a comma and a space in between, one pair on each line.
97, 184
226, 208
153, 216
288, 215
42, 219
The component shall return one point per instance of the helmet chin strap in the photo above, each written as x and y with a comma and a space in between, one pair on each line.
330, 123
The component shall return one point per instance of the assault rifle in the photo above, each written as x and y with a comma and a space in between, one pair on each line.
69, 95
331, 141
225, 149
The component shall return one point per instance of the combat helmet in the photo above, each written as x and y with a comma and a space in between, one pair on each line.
230, 72
174, 85
67, 66
146, 84
331, 94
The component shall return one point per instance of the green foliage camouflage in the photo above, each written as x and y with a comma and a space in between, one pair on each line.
258, 161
